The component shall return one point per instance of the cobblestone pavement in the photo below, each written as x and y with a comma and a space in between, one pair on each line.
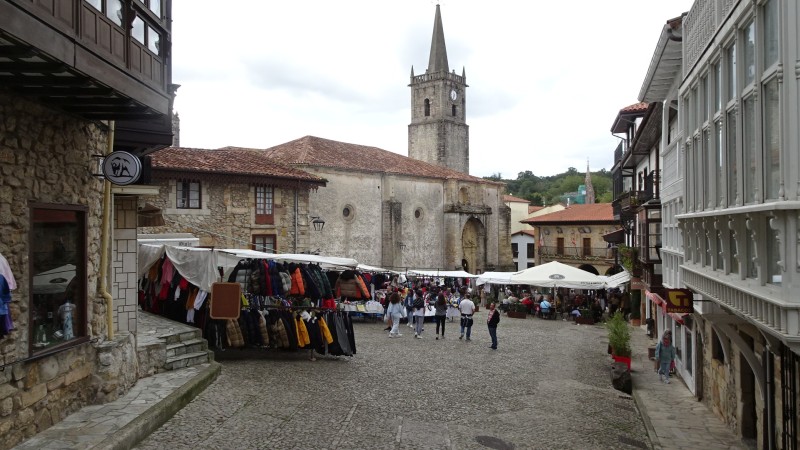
547, 386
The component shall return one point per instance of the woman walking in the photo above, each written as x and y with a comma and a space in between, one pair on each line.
395, 311
492, 321
665, 355
441, 313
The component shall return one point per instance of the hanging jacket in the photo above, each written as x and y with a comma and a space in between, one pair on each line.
365, 293
326, 332
233, 333
303, 338
262, 326
298, 287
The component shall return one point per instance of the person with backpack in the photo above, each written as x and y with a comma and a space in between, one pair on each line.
492, 321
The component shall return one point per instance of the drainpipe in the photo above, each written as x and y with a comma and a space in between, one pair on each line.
104, 242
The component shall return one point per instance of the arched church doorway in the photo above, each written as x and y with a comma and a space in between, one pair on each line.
473, 246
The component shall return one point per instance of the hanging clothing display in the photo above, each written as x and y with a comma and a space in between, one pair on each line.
7, 284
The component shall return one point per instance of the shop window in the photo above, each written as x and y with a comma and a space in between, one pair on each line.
265, 196
58, 259
264, 243
717, 351
188, 195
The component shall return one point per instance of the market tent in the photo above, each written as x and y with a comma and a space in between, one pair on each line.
374, 269
441, 273
196, 265
231, 256
53, 281
556, 274
616, 280
494, 278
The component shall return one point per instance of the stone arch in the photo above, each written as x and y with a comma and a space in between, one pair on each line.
473, 246
589, 268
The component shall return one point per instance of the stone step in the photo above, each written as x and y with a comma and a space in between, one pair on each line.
182, 337
190, 346
186, 360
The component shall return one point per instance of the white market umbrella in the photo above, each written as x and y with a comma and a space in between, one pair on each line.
556, 274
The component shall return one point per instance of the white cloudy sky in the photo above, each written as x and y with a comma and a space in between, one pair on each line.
546, 78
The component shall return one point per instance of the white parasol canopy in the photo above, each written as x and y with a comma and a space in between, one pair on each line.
613, 281
494, 278
556, 274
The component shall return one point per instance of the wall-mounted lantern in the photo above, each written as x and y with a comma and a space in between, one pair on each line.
317, 223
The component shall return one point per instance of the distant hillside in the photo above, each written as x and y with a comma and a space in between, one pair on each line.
543, 191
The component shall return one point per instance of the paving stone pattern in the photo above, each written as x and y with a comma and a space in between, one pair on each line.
547, 386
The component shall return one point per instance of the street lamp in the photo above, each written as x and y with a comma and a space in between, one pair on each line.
318, 223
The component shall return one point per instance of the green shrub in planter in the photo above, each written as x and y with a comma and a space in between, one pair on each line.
619, 335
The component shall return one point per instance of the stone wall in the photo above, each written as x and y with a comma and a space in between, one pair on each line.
227, 216
46, 157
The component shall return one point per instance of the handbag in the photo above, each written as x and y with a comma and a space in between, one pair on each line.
403, 313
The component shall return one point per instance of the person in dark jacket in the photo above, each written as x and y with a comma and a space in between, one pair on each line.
441, 313
492, 321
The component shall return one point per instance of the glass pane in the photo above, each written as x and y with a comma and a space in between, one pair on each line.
773, 256
706, 175
771, 31
718, 87
97, 4
731, 155
114, 11
732, 255
718, 158
749, 148
703, 104
731, 69
155, 6
752, 271
58, 253
772, 149
138, 29
153, 40
749, 35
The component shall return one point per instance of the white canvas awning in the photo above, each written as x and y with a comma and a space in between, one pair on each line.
441, 273
556, 274
373, 269
616, 280
494, 278
197, 265
326, 262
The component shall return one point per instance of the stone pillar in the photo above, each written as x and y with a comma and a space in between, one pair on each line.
124, 284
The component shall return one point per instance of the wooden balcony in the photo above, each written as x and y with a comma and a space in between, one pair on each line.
583, 254
98, 66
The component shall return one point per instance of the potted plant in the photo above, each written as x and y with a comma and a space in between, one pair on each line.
619, 338
585, 318
517, 310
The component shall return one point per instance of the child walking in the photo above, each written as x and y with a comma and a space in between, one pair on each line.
395, 311
665, 355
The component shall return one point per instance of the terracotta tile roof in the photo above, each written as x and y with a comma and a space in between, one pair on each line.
595, 212
528, 232
636, 107
228, 161
511, 198
532, 209
314, 151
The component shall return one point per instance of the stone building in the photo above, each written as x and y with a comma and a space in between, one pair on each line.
233, 198
76, 84
385, 209
722, 73
574, 236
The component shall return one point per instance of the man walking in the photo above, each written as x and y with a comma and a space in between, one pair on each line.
492, 321
467, 308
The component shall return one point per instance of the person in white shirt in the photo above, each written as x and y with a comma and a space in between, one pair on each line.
467, 308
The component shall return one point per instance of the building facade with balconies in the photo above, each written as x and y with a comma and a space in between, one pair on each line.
78, 78
739, 100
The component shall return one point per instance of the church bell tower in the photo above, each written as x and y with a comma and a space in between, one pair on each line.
438, 132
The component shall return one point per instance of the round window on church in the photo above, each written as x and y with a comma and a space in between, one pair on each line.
418, 213
348, 213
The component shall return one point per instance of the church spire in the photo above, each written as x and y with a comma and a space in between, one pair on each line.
438, 58
589, 188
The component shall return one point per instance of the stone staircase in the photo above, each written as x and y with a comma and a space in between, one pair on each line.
163, 345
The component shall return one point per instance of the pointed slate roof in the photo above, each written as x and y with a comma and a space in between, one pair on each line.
438, 59
314, 151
